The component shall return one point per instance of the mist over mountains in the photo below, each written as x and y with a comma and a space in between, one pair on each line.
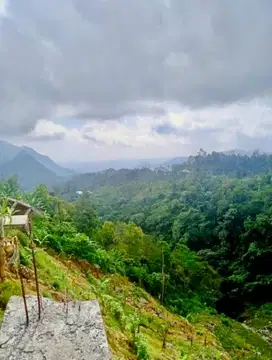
32, 168
94, 166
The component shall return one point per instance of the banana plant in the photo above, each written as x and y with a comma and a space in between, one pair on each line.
5, 212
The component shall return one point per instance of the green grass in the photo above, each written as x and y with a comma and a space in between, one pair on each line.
241, 342
125, 306
262, 317
50, 272
8, 289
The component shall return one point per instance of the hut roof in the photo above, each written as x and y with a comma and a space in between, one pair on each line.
21, 205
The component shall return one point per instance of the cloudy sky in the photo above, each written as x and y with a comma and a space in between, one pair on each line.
109, 79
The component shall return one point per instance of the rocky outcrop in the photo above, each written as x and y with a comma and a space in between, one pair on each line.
73, 331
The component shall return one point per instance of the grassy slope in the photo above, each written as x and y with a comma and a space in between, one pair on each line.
125, 305
260, 320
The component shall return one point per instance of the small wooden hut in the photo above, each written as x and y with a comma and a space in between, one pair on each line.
20, 216
22, 211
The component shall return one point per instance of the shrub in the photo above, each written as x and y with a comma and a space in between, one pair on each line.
8, 289
141, 347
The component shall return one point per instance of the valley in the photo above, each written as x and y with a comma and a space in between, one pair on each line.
179, 260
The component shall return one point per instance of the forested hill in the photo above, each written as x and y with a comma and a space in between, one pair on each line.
218, 205
93, 181
216, 163
229, 163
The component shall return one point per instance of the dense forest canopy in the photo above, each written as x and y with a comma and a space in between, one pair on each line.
177, 276
217, 205
216, 163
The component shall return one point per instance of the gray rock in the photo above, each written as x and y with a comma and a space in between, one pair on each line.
65, 332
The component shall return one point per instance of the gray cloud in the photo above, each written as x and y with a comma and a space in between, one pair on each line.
116, 111
93, 138
115, 58
266, 127
261, 142
166, 129
169, 129
47, 137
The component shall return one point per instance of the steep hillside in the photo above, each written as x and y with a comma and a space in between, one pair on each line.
137, 326
29, 171
49, 163
7, 151
221, 209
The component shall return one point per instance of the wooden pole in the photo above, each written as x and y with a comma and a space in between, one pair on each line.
24, 297
19, 272
35, 270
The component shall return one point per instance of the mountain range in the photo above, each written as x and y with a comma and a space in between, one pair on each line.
30, 167
118, 164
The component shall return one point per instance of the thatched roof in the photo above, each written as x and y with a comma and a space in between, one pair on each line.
21, 206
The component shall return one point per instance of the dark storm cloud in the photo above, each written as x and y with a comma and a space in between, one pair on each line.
113, 58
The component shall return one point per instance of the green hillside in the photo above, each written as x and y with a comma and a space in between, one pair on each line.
127, 307
158, 300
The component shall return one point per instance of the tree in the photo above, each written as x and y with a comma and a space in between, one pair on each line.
85, 217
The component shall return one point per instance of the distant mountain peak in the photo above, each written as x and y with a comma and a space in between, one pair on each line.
29, 166
28, 171
49, 163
